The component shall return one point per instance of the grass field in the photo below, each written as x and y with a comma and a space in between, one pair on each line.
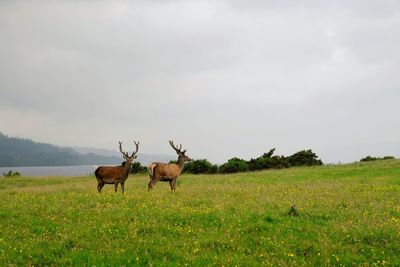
348, 215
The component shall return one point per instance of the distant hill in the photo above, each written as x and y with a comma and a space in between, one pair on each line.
24, 152
16, 152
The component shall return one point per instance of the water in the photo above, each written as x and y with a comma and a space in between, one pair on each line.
67, 171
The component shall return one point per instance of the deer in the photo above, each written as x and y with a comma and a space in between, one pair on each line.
116, 174
167, 172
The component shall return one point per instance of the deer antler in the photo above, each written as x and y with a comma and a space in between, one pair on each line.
137, 148
120, 149
178, 150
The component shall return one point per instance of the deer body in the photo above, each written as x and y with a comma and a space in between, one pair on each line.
167, 172
116, 174
110, 175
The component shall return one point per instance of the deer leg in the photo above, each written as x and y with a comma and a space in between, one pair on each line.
152, 183
171, 185
174, 184
115, 186
123, 187
150, 186
100, 186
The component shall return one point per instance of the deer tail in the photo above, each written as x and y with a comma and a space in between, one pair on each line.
150, 169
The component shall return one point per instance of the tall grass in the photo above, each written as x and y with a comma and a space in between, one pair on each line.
345, 215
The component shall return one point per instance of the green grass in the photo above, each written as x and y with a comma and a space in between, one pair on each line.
348, 215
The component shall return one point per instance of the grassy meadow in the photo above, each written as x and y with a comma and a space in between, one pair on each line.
347, 215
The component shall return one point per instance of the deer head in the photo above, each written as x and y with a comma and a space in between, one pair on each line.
129, 159
181, 154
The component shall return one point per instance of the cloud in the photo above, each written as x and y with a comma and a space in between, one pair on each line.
224, 78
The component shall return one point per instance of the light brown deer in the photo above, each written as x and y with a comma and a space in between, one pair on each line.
167, 172
116, 174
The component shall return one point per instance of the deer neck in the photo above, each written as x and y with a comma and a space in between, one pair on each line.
181, 162
127, 168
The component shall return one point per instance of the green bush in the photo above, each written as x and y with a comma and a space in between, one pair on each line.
214, 169
10, 173
265, 161
138, 168
198, 166
369, 158
275, 162
234, 165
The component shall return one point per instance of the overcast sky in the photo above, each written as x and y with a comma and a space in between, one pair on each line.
224, 78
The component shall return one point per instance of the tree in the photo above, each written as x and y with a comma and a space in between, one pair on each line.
304, 158
267, 161
269, 154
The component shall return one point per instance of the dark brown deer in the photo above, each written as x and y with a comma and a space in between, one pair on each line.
167, 172
116, 174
